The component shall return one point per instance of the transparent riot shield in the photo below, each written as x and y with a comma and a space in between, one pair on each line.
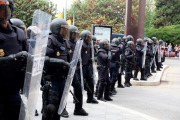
144, 55
81, 73
159, 52
70, 76
153, 59
93, 62
35, 65
120, 65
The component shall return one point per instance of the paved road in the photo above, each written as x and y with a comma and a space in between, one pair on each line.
162, 102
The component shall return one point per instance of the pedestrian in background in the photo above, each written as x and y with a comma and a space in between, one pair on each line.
176, 50
166, 47
169, 49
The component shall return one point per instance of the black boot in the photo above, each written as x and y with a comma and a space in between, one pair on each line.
135, 75
81, 112
119, 81
142, 74
158, 67
36, 113
100, 93
106, 94
65, 113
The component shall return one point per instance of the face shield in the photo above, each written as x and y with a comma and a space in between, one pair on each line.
132, 39
5, 12
75, 36
89, 38
64, 32
23, 27
106, 45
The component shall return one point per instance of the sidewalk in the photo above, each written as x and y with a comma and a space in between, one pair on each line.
107, 110
101, 111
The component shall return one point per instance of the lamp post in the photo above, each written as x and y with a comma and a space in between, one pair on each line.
65, 9
75, 1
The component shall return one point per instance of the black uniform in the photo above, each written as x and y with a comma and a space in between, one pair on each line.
138, 59
12, 41
59, 48
149, 56
129, 55
76, 83
103, 64
87, 68
115, 52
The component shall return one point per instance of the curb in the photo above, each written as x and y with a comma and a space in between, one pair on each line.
157, 79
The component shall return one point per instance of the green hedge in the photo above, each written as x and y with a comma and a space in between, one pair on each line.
170, 34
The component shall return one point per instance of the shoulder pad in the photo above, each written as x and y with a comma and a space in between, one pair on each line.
20, 33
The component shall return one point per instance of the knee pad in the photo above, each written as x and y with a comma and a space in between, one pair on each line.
50, 109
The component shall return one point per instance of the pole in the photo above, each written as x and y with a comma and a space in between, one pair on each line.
65, 11
74, 13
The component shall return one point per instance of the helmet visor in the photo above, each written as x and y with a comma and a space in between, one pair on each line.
89, 38
5, 12
106, 45
23, 27
65, 32
75, 35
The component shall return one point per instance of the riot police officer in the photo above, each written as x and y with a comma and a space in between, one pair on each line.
13, 45
59, 48
76, 83
139, 49
115, 63
87, 65
124, 42
129, 55
19, 23
149, 56
120, 73
155, 47
160, 56
103, 63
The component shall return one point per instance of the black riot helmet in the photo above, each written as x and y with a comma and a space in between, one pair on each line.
74, 33
160, 41
104, 43
130, 38
120, 39
33, 32
154, 39
130, 44
86, 36
18, 23
146, 39
115, 42
60, 27
150, 42
139, 41
124, 39
6, 10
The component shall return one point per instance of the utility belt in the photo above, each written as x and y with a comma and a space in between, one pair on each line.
137, 58
53, 77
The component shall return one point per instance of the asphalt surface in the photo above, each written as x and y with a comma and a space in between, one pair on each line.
162, 102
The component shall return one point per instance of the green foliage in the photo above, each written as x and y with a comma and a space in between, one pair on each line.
167, 13
169, 34
149, 13
24, 9
102, 12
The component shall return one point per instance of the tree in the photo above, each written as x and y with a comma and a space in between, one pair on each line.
167, 13
102, 12
169, 34
149, 13
24, 9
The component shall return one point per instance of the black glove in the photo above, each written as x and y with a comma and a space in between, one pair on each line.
22, 56
56, 63
90, 61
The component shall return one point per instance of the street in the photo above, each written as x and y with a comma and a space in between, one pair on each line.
137, 102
